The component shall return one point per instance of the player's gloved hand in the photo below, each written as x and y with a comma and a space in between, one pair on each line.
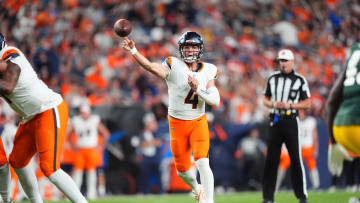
336, 156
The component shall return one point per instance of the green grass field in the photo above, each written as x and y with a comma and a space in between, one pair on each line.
246, 197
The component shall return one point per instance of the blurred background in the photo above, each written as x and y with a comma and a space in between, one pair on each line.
72, 47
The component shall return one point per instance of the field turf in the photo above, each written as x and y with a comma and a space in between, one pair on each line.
246, 197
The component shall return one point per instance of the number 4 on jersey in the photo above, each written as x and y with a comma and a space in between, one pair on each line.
192, 98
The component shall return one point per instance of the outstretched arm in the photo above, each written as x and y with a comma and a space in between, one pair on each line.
155, 68
333, 103
9, 77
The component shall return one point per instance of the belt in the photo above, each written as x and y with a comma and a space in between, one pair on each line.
274, 117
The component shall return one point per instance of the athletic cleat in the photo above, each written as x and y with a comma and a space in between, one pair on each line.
199, 197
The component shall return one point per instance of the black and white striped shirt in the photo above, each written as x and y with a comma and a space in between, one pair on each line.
290, 88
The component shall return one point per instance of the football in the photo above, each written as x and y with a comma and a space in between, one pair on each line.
122, 27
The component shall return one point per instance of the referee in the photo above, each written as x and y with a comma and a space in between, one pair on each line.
286, 92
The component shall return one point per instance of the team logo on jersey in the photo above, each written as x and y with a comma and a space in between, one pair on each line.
293, 94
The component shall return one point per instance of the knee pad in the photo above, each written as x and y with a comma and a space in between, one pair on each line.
15, 163
47, 168
181, 168
3, 159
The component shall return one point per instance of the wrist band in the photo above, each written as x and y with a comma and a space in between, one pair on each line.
133, 51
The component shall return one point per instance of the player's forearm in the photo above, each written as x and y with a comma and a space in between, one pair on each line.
330, 116
3, 88
142, 61
104, 131
211, 96
147, 65
9, 78
333, 103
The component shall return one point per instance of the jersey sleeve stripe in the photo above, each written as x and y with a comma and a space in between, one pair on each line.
12, 53
168, 62
216, 74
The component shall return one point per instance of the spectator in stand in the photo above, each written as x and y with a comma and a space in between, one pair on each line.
149, 156
252, 151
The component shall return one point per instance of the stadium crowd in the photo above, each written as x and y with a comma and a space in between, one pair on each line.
74, 50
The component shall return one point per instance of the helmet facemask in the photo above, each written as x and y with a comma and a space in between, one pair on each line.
195, 53
2, 42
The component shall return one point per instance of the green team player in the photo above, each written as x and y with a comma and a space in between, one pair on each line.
343, 113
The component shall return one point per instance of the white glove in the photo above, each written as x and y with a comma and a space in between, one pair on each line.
336, 156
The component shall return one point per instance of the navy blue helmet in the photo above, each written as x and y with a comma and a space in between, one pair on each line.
191, 38
2, 41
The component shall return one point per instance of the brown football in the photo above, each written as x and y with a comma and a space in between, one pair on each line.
122, 27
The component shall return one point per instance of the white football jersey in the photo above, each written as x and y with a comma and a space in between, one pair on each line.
307, 127
184, 104
30, 96
86, 131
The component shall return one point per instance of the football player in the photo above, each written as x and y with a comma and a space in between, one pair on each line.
42, 129
87, 127
191, 84
343, 113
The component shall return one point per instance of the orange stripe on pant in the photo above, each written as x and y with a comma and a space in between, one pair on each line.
3, 159
44, 134
187, 136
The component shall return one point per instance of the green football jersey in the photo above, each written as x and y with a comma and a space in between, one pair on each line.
349, 111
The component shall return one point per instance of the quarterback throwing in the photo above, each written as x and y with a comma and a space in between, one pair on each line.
190, 85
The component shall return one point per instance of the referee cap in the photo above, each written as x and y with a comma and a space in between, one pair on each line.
286, 54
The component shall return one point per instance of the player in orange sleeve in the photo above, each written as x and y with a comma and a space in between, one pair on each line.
42, 129
191, 85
